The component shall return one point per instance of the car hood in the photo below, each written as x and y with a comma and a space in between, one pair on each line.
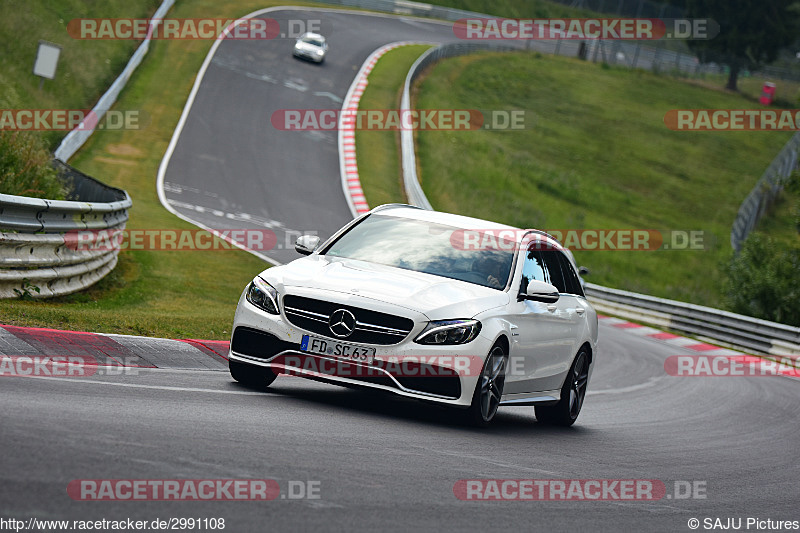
436, 297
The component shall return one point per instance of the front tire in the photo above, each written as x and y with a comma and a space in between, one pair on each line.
573, 394
489, 389
255, 377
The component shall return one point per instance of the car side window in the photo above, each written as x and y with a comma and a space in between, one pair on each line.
570, 276
531, 269
552, 269
542, 265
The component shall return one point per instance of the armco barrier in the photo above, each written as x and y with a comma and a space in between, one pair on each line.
630, 54
765, 192
650, 56
408, 159
738, 331
34, 256
34, 259
77, 137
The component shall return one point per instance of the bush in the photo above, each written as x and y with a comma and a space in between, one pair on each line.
25, 168
763, 280
793, 187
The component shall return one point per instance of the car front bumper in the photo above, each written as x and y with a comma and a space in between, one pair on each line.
311, 56
443, 374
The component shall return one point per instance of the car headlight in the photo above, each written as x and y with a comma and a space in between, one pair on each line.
318, 52
449, 332
263, 295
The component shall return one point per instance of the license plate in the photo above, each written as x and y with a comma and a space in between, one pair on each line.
341, 350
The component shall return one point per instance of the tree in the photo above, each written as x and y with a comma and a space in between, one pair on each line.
762, 280
751, 32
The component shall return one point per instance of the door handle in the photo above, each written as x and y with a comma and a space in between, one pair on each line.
580, 310
552, 308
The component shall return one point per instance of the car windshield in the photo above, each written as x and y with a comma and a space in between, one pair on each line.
426, 247
316, 41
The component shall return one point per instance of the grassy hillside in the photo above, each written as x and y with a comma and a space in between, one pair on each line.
595, 153
85, 68
156, 293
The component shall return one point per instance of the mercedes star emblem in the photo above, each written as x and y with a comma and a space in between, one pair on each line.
342, 323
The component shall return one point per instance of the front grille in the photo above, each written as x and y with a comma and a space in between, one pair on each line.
255, 343
372, 327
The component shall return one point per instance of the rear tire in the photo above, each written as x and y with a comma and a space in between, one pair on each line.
255, 377
489, 388
573, 394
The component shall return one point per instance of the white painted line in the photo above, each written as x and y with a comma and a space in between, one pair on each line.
162, 168
142, 386
644, 331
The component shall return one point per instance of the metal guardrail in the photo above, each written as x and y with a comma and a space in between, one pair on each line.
405, 7
408, 159
630, 54
739, 331
766, 190
39, 254
77, 137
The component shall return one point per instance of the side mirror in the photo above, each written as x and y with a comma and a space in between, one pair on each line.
583, 271
306, 244
539, 291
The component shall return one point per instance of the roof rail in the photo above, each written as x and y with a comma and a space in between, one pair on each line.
540, 232
383, 207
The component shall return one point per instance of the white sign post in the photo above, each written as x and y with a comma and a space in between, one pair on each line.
46, 61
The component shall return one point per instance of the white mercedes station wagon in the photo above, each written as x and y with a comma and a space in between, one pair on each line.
428, 305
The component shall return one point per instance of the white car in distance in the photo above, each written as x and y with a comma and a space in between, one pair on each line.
433, 306
311, 46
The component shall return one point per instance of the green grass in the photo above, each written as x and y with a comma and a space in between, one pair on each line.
85, 68
194, 294
787, 93
784, 213
518, 8
26, 167
169, 294
156, 293
378, 151
594, 154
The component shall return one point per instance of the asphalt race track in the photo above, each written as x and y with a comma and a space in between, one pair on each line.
385, 463
373, 462
231, 169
